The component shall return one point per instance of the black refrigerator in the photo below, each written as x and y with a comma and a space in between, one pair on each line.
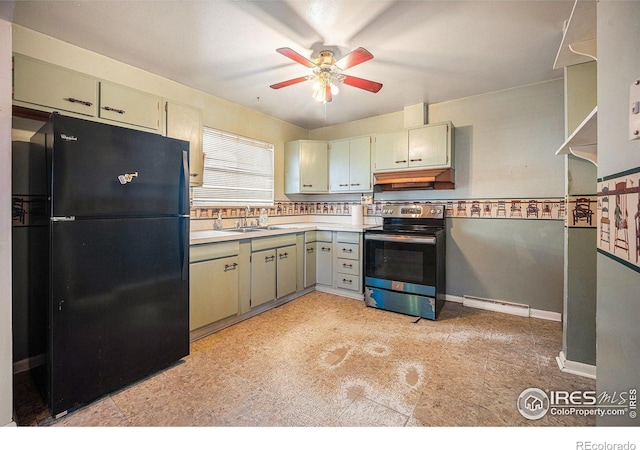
116, 212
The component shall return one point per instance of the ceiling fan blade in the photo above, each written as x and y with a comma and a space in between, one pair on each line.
289, 82
361, 83
297, 57
327, 94
354, 58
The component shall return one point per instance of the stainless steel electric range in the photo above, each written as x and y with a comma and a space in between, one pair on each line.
405, 260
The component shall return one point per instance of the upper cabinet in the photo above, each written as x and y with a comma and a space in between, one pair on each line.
350, 165
391, 150
306, 167
129, 106
429, 146
42, 84
185, 122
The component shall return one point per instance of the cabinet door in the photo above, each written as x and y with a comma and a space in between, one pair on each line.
55, 87
213, 291
314, 171
263, 277
130, 106
360, 164
286, 270
310, 264
339, 168
391, 150
429, 146
324, 274
185, 122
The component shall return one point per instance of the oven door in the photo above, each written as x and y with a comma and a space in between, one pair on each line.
403, 272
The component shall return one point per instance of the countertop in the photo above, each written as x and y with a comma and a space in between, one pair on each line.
229, 234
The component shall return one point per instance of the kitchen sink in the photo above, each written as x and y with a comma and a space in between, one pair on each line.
242, 230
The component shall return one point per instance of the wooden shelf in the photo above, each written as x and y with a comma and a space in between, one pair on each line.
583, 142
579, 38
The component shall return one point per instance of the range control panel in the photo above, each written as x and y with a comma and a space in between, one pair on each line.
429, 211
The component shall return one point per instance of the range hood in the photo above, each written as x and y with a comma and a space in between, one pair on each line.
404, 180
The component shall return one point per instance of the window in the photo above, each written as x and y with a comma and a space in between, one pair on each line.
237, 171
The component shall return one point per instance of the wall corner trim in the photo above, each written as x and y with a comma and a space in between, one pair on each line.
575, 368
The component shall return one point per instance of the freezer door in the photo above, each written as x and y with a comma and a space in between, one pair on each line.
101, 170
119, 304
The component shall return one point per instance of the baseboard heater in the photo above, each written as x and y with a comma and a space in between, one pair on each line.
518, 309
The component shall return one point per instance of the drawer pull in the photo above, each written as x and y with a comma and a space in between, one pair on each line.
75, 100
307, 185
347, 266
326, 249
269, 258
109, 108
230, 266
416, 160
401, 161
310, 250
345, 281
343, 184
283, 255
347, 250
355, 184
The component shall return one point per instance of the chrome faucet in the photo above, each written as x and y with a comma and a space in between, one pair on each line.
246, 214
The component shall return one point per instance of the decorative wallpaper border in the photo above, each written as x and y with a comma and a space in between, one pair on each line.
618, 219
540, 209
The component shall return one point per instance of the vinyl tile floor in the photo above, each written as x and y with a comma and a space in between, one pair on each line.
324, 360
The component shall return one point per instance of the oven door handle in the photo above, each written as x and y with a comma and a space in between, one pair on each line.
430, 240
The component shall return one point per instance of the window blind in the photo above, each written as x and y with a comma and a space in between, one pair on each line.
237, 170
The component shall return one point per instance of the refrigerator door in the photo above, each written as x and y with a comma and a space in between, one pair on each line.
102, 170
119, 304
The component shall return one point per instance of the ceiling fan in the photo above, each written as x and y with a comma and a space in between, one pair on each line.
327, 72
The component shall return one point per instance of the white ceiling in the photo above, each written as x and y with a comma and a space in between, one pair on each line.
424, 51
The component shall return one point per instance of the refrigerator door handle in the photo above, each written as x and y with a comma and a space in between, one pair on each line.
185, 178
185, 248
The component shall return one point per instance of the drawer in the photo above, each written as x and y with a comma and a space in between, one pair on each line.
310, 236
324, 236
349, 251
284, 240
345, 281
346, 236
347, 266
206, 252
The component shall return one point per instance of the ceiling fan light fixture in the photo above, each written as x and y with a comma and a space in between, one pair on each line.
327, 73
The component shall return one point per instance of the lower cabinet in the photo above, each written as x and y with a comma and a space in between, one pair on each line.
310, 253
286, 270
273, 268
263, 277
324, 261
213, 278
334, 260
347, 264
